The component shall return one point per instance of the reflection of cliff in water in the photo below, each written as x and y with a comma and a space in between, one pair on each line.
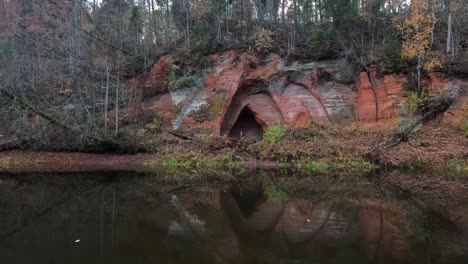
129, 221
335, 232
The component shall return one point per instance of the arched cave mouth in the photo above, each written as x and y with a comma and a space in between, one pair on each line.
247, 126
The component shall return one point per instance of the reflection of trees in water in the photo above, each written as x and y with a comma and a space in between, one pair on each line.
126, 221
44, 216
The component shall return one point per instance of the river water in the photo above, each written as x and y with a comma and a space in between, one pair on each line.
130, 218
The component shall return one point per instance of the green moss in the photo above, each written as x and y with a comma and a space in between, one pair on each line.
212, 110
203, 114
274, 134
317, 166
275, 194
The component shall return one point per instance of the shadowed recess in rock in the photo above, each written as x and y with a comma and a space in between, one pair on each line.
246, 125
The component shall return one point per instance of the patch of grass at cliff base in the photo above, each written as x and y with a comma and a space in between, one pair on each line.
198, 164
342, 166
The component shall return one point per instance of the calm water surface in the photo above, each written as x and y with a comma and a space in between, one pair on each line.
138, 219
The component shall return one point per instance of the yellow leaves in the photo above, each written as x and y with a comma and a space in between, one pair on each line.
417, 30
433, 64
263, 40
410, 50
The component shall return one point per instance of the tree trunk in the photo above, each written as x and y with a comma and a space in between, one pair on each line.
106, 98
449, 33
283, 6
187, 21
117, 107
418, 68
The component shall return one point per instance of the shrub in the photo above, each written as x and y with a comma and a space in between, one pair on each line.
274, 134
264, 40
416, 101
173, 73
154, 126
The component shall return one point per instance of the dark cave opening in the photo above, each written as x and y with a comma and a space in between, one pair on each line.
247, 126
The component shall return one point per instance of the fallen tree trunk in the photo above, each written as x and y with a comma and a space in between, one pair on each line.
431, 110
23, 102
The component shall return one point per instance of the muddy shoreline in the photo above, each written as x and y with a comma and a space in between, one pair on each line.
63, 162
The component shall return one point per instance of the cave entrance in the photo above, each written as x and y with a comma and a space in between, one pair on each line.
246, 125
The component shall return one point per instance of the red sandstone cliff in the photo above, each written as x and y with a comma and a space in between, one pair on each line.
274, 92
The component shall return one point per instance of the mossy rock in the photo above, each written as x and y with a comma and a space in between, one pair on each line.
177, 109
212, 110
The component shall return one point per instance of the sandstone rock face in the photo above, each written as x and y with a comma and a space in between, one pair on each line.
273, 92
154, 82
379, 98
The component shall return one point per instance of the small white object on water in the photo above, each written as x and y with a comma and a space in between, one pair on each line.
308, 220
77, 241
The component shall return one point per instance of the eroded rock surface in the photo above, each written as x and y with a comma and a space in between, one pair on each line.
277, 93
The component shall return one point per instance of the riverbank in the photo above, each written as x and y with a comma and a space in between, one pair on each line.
319, 148
62, 162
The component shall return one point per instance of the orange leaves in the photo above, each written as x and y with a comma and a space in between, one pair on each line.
417, 29
433, 65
